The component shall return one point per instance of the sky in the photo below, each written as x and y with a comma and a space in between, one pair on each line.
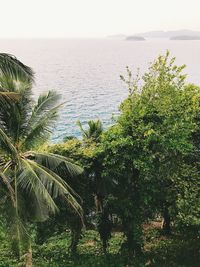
94, 18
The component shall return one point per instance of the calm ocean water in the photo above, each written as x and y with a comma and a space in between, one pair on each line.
86, 72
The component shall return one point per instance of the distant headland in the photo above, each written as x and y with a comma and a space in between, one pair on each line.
185, 37
172, 35
169, 34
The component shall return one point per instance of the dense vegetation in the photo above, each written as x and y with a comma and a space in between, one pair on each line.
123, 196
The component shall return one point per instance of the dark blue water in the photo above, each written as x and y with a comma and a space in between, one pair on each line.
86, 72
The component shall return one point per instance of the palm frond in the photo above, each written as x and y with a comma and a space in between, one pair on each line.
39, 132
9, 96
94, 130
45, 102
7, 83
14, 115
7, 145
84, 132
11, 66
58, 163
30, 182
6, 181
52, 184
6, 99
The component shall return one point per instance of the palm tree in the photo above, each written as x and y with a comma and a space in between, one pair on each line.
92, 135
30, 180
93, 132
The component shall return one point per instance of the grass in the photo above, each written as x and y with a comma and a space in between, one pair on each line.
159, 251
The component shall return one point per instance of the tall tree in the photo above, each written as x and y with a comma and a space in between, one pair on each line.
145, 151
31, 180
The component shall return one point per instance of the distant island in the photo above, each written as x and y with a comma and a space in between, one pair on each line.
185, 37
135, 38
172, 35
169, 34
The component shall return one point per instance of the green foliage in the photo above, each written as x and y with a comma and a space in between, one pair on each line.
30, 181
144, 167
75, 149
146, 151
90, 186
94, 131
174, 251
11, 67
87, 185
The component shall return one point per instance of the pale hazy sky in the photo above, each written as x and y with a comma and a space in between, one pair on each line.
94, 18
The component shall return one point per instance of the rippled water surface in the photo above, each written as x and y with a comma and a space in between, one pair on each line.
86, 72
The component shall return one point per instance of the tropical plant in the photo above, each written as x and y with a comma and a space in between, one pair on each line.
93, 132
82, 154
31, 180
91, 188
92, 135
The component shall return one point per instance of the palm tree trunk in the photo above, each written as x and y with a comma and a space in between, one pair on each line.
76, 234
28, 259
98, 203
17, 239
166, 226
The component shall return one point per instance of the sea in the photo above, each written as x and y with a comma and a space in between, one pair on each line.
86, 73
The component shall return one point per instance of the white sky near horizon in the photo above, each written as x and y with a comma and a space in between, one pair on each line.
94, 18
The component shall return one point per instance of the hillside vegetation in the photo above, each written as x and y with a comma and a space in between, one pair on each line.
123, 196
